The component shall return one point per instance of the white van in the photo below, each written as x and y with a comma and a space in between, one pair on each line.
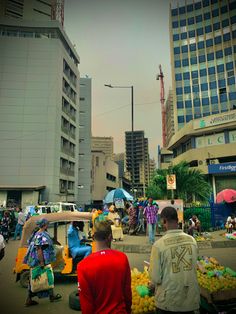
53, 208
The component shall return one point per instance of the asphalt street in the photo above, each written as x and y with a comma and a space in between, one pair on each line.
12, 295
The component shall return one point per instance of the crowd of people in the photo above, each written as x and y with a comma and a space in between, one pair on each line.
173, 259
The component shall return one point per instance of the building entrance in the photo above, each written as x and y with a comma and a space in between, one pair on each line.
14, 198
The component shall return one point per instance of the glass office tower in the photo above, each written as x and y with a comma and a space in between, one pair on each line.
203, 53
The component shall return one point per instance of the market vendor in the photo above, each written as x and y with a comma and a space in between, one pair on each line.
117, 232
194, 225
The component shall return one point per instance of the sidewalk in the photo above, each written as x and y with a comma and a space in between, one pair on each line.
140, 243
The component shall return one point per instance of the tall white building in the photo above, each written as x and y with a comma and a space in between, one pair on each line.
85, 156
39, 113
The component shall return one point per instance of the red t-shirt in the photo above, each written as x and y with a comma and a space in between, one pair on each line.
104, 283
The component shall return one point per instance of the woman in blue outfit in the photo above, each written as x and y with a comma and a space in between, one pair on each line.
76, 240
40, 253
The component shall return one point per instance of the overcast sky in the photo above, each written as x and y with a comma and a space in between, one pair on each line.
122, 42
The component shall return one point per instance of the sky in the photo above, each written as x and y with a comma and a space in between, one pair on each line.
122, 42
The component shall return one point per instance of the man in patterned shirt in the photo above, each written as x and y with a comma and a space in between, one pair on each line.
150, 212
173, 268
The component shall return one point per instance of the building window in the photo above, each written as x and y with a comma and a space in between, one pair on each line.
231, 81
180, 104
188, 104
178, 77
223, 98
220, 68
192, 47
205, 3
221, 83
183, 35
223, 9
176, 37
211, 70
186, 75
222, 91
193, 60
194, 74
176, 50
180, 119
184, 48
182, 23
217, 40
232, 96
219, 54
204, 86
209, 42
190, 8
197, 5
187, 90
191, 34
207, 16
214, 100
185, 62
212, 85
179, 91
182, 10
205, 101
210, 56
228, 51
191, 21
216, 26
174, 12
203, 72
201, 59
200, 31
233, 19
175, 24
177, 64
215, 12
97, 161
226, 37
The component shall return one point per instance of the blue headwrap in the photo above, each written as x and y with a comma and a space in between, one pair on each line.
42, 222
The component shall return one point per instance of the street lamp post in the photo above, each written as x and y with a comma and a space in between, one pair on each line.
132, 129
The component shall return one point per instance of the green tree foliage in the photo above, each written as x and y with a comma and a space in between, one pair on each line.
190, 183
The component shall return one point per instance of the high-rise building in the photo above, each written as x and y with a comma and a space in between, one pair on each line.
85, 156
103, 143
31, 10
140, 160
39, 113
203, 58
203, 50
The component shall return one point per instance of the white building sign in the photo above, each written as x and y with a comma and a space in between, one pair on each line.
209, 140
232, 136
212, 121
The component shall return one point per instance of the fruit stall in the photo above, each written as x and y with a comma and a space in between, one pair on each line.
142, 300
217, 286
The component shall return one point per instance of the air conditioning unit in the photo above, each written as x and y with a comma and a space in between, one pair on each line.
201, 162
213, 161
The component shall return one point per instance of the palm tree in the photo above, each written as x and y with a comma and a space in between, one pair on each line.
190, 184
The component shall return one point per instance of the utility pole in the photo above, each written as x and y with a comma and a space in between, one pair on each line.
160, 77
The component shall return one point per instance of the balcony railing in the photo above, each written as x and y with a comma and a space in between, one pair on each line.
67, 172
67, 151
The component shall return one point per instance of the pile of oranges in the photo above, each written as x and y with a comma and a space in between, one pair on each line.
145, 304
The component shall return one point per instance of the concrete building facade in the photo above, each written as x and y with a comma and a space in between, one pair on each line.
85, 155
104, 144
105, 176
39, 113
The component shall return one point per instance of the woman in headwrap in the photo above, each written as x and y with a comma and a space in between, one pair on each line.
40, 253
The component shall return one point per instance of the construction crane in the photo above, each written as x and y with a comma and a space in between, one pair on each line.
160, 77
57, 11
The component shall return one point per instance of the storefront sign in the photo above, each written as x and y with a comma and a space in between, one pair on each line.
232, 136
229, 167
212, 121
214, 139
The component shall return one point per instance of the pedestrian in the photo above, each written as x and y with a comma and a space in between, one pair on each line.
104, 277
173, 270
114, 217
2, 247
5, 225
75, 234
20, 224
40, 253
141, 225
150, 212
194, 225
229, 224
132, 212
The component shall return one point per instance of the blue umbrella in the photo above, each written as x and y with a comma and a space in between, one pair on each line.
117, 194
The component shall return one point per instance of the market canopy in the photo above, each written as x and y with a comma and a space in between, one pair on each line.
115, 194
227, 196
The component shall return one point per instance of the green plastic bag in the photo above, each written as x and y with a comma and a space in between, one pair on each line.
142, 290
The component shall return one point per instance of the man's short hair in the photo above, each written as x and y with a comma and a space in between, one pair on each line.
169, 213
102, 230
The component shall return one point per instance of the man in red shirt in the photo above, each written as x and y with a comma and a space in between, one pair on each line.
104, 279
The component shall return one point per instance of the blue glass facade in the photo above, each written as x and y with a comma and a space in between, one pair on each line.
204, 56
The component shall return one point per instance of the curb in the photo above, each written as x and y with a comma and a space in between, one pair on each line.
146, 248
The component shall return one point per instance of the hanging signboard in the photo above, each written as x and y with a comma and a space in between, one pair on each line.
171, 182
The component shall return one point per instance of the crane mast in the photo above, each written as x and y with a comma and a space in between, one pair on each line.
160, 77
